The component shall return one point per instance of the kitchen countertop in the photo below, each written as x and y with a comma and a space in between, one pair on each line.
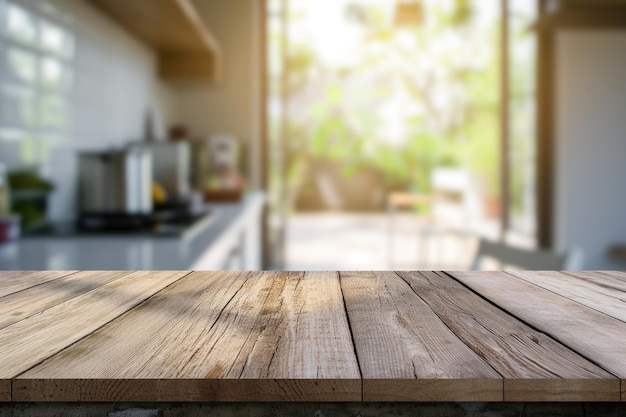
132, 251
314, 336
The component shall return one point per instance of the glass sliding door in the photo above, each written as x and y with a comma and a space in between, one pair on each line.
522, 121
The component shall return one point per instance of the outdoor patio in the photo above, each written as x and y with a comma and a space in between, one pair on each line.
371, 241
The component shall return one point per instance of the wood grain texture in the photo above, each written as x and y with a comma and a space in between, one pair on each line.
589, 292
28, 342
14, 281
534, 366
213, 337
21, 305
174, 390
156, 342
405, 352
570, 390
5, 390
303, 334
610, 279
620, 275
593, 334
325, 336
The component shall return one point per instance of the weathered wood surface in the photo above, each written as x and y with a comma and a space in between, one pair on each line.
15, 281
593, 334
302, 337
586, 289
23, 304
614, 279
405, 352
5, 390
326, 336
273, 337
26, 343
152, 343
534, 366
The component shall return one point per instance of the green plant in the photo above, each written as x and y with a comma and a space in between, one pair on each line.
28, 180
454, 124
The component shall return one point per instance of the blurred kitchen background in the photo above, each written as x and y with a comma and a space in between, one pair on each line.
310, 135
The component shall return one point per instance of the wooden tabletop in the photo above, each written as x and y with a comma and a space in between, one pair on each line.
314, 336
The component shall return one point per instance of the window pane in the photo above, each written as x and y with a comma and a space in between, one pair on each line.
53, 112
48, 143
36, 77
28, 149
22, 65
11, 146
522, 126
20, 24
18, 147
16, 107
55, 75
11, 134
522, 145
55, 39
50, 9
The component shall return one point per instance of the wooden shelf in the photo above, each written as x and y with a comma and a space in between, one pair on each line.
585, 16
185, 47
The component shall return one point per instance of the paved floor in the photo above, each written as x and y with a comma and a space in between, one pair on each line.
358, 241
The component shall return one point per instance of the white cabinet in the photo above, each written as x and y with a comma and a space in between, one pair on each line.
239, 245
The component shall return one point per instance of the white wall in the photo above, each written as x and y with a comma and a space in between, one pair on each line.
114, 85
231, 106
591, 144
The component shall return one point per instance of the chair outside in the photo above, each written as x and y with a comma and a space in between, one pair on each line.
527, 259
450, 216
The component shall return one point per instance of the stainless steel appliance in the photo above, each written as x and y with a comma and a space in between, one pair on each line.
116, 182
171, 167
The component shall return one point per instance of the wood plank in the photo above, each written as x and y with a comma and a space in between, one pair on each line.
208, 338
404, 350
303, 334
534, 366
187, 66
620, 275
14, 281
166, 25
615, 280
5, 390
153, 343
172, 28
591, 333
610, 279
179, 390
30, 341
21, 305
585, 289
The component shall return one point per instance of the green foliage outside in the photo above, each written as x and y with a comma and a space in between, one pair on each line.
446, 66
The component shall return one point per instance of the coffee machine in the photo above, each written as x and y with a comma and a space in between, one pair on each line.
114, 189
